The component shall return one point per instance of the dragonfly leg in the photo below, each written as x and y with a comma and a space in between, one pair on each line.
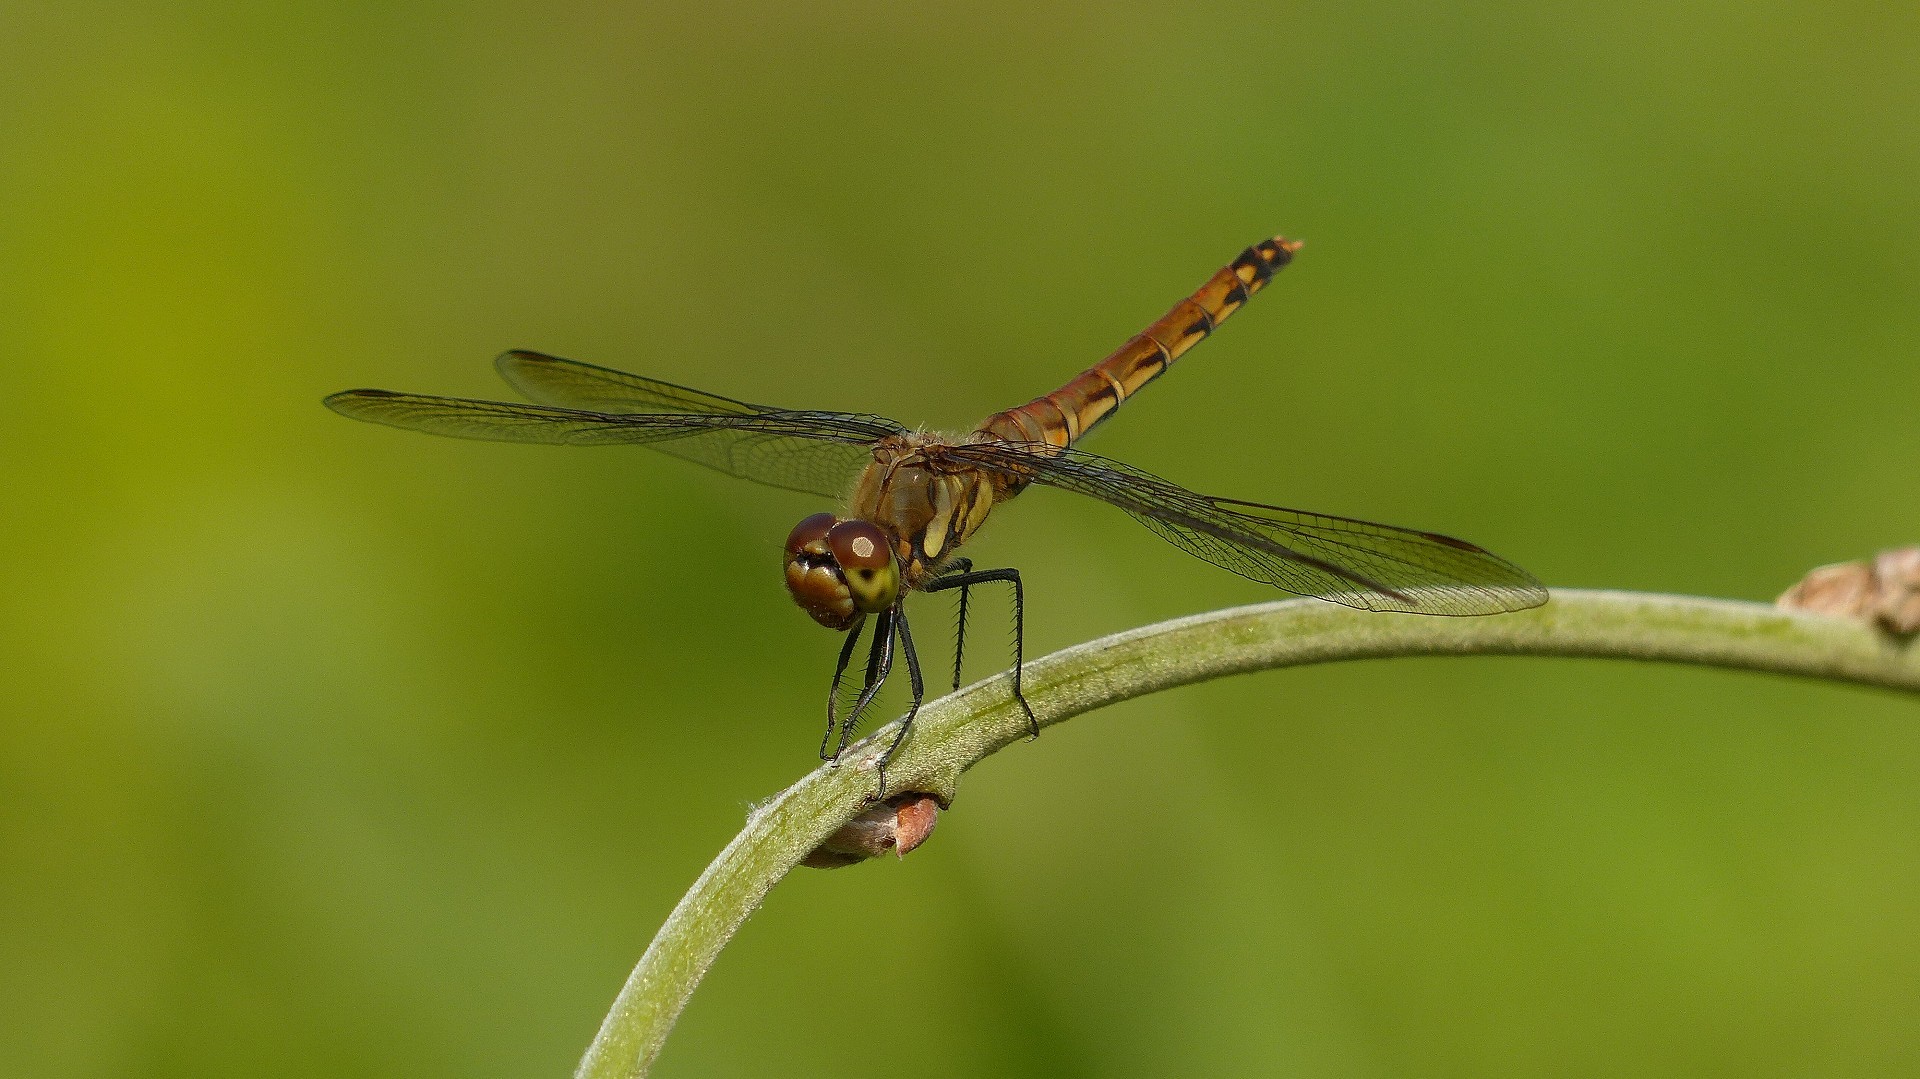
833, 691
879, 665
913, 709
970, 577
958, 567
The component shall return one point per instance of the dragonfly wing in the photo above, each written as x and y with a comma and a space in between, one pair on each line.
551, 380
814, 452
1358, 563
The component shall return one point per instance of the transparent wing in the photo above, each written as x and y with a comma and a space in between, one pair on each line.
1371, 566
815, 452
551, 380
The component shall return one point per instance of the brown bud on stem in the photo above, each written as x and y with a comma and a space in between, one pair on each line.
898, 824
1885, 589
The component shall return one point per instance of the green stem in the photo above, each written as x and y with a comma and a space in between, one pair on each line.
953, 733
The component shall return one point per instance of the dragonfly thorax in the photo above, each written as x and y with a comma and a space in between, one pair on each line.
841, 570
928, 503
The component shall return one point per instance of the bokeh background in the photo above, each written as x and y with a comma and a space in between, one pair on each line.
331, 750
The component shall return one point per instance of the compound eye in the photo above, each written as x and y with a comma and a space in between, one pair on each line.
857, 545
865, 556
810, 533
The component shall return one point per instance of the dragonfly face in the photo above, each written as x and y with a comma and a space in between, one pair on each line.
840, 571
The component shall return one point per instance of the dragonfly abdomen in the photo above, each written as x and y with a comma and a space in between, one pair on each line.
1068, 413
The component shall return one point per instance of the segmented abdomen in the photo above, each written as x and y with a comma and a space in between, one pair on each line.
1068, 413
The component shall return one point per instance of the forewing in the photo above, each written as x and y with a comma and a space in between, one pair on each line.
814, 452
1358, 563
551, 380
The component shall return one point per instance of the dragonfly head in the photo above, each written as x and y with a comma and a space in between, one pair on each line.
840, 570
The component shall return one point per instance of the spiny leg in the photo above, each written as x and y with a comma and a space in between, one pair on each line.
955, 568
919, 694
879, 665
1012, 576
833, 691
884, 627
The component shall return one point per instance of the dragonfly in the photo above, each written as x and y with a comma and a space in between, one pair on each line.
911, 499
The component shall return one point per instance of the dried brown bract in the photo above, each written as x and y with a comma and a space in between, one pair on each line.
1884, 590
898, 824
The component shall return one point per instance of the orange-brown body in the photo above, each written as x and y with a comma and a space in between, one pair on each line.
931, 507
1064, 416
918, 498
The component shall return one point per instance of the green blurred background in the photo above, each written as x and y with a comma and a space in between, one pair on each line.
332, 750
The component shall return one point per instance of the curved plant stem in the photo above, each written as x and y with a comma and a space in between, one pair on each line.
954, 732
